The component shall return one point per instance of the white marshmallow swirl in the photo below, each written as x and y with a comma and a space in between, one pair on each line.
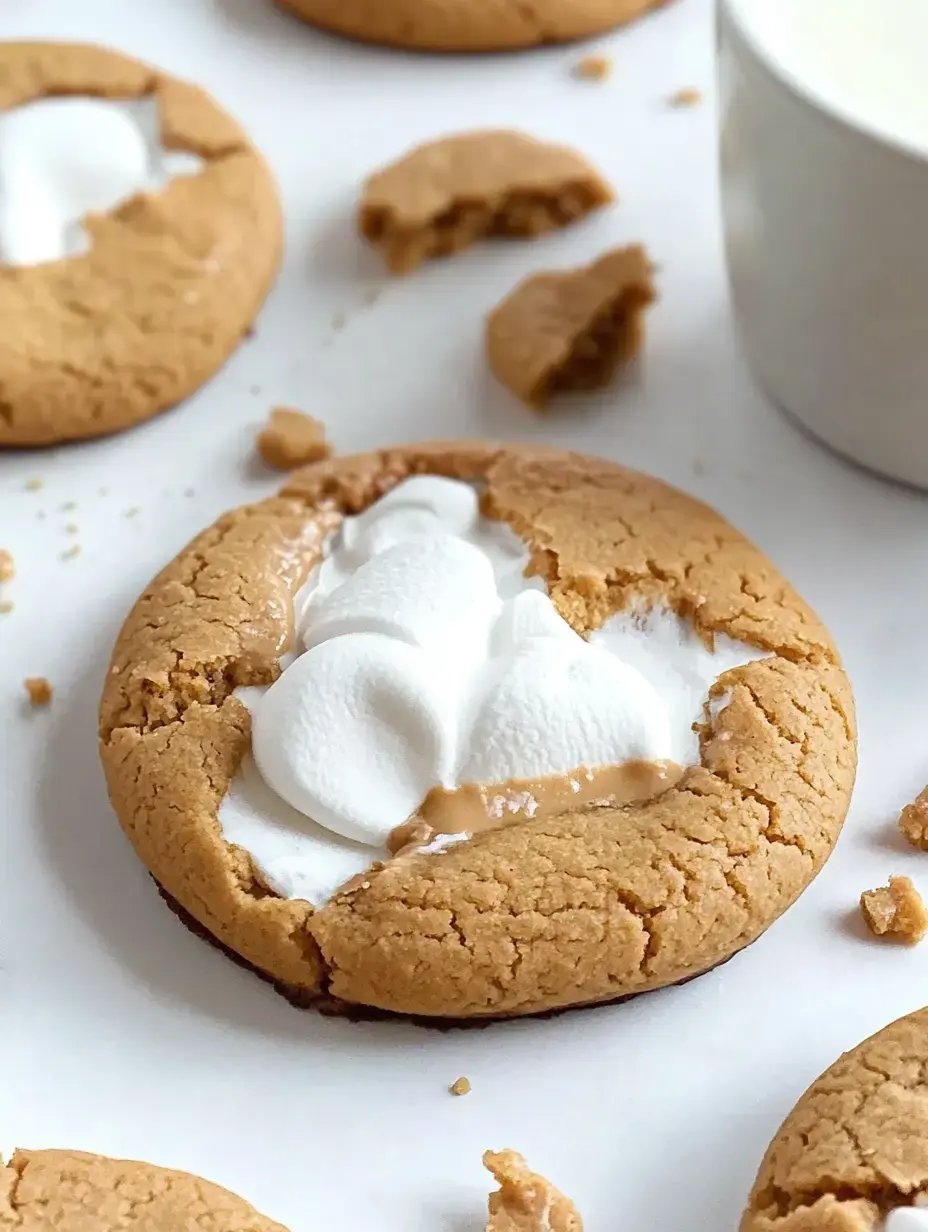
63, 158
432, 661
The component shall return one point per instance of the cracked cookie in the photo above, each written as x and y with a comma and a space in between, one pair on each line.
445, 195
70, 1191
852, 1156
616, 611
468, 25
569, 330
139, 233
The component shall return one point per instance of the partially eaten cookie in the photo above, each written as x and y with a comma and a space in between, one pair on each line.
571, 329
443, 196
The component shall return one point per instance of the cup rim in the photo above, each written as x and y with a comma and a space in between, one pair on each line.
731, 11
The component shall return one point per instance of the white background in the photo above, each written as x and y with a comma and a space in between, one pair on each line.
124, 1034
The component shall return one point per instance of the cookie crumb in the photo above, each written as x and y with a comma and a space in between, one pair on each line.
71, 528
460, 1087
68, 506
7, 565
571, 329
913, 821
896, 910
689, 96
445, 195
34, 484
593, 68
131, 511
525, 1201
71, 552
39, 690
290, 439
6, 606
372, 295
338, 322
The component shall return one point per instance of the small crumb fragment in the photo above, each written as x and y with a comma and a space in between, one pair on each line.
7, 565
460, 1087
68, 506
290, 439
6, 606
525, 1201
372, 295
563, 330
913, 821
339, 321
593, 68
189, 492
72, 528
71, 552
131, 512
38, 689
689, 96
33, 485
896, 910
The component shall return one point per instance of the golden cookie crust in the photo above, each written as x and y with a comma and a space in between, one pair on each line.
582, 908
468, 25
855, 1146
69, 1191
95, 343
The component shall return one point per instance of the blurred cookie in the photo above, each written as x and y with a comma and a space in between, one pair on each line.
139, 233
571, 330
69, 1191
468, 25
473, 731
852, 1156
443, 196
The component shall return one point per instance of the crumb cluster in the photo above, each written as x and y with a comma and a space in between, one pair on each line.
895, 911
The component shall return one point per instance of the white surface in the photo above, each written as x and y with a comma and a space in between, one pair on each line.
907, 1220
824, 197
123, 1033
64, 158
431, 660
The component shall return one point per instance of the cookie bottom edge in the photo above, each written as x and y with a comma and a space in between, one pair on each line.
333, 1007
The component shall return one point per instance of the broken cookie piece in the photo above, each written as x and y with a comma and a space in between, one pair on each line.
291, 439
572, 329
913, 821
525, 1201
896, 911
7, 565
445, 195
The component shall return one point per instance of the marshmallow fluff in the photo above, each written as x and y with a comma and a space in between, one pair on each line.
64, 158
430, 660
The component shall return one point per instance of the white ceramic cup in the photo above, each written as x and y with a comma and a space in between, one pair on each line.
826, 231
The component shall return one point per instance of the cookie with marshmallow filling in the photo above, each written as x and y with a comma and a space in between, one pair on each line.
473, 731
852, 1156
139, 233
71, 1191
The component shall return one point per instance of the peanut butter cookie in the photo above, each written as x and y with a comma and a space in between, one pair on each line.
573, 329
69, 1191
468, 25
581, 895
139, 234
443, 196
852, 1156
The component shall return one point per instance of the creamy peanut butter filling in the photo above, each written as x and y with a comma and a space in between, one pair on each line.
474, 807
